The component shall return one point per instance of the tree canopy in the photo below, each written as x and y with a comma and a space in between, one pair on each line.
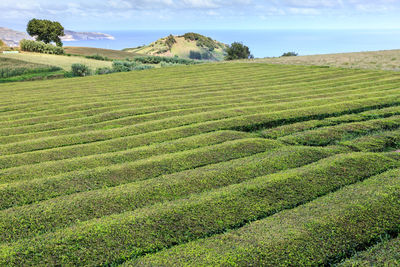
237, 51
45, 30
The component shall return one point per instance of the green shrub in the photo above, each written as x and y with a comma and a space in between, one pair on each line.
237, 51
290, 54
158, 60
40, 47
170, 41
80, 70
98, 57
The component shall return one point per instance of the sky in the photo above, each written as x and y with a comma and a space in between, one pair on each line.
111, 15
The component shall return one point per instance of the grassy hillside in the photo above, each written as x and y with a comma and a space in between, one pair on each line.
374, 60
90, 51
213, 164
64, 62
189, 45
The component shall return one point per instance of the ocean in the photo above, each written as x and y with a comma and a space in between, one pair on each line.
266, 43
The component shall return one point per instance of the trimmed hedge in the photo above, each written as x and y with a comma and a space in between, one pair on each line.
332, 134
40, 47
322, 232
63, 211
51, 168
389, 140
25, 192
113, 239
385, 253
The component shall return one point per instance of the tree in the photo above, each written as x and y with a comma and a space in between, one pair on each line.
237, 51
290, 54
45, 30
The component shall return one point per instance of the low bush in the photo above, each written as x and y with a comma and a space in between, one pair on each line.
290, 54
319, 233
40, 47
98, 57
158, 60
80, 70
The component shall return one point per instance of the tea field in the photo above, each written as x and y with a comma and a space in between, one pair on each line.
231, 164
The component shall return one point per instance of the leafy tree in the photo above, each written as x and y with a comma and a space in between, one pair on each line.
45, 30
237, 51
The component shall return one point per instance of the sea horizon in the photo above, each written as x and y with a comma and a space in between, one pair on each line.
265, 43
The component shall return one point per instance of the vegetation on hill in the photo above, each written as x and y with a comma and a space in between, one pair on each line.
209, 164
189, 46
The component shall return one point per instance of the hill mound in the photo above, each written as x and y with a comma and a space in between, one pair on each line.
190, 45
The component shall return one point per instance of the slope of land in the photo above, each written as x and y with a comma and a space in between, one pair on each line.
211, 164
61, 61
189, 45
90, 51
374, 60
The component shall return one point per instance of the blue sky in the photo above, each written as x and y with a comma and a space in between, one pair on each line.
204, 14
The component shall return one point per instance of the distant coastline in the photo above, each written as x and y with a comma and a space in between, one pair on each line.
12, 37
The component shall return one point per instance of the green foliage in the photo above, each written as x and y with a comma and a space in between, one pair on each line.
40, 47
98, 57
201, 40
80, 70
200, 56
158, 60
46, 31
237, 51
290, 54
170, 41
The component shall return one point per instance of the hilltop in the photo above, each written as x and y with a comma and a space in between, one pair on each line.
189, 45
